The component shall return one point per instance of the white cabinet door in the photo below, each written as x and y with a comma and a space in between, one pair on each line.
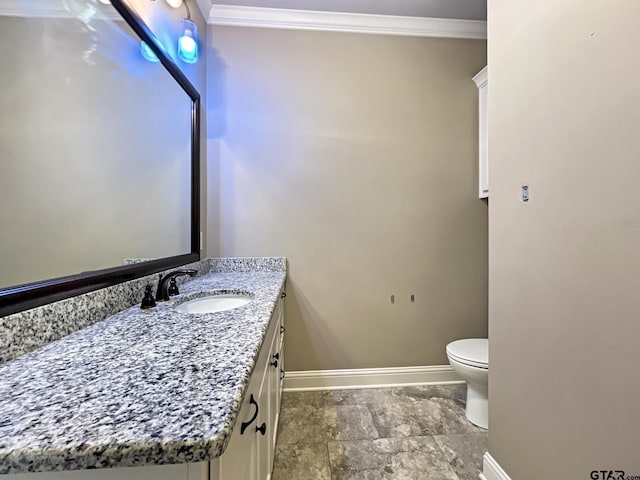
482, 82
263, 432
239, 460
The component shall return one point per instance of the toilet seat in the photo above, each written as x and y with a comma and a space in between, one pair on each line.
473, 352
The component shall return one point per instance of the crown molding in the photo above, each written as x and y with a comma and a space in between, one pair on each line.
481, 79
48, 9
231, 15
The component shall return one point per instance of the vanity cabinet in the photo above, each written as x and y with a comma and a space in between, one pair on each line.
249, 455
482, 82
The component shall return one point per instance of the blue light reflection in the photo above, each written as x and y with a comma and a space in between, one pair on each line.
188, 42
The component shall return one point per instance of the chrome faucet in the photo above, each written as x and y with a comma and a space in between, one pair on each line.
165, 289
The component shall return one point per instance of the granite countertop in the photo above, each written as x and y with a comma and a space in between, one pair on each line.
141, 387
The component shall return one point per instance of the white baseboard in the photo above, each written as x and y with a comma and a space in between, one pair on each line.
491, 470
369, 378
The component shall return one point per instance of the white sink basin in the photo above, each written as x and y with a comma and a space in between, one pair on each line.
213, 303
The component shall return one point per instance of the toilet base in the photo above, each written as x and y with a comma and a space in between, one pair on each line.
477, 411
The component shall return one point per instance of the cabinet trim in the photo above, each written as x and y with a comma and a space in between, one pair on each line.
481, 79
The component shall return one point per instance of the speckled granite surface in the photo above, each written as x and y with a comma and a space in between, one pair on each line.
27, 331
141, 387
248, 264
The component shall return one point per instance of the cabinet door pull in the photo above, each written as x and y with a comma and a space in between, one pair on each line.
282, 329
283, 294
281, 374
276, 356
244, 425
274, 364
262, 429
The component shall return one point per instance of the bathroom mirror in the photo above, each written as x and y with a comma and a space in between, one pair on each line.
100, 152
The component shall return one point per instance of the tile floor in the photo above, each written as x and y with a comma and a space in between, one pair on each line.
403, 433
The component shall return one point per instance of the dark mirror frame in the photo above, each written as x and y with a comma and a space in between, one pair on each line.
31, 295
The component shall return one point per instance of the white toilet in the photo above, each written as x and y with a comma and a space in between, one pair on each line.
470, 360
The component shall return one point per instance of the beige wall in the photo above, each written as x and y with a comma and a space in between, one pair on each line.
564, 268
355, 156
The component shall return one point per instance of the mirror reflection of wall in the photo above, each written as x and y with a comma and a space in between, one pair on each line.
95, 149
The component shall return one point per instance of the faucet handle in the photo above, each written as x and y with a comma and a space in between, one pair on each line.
173, 288
148, 301
165, 289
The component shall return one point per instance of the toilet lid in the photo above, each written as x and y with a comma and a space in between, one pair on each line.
470, 351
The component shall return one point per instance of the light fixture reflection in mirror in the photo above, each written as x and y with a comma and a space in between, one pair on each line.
188, 41
84, 11
147, 53
187, 38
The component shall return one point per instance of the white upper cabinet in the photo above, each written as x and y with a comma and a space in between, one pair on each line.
482, 82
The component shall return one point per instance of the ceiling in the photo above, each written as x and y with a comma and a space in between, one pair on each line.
456, 9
